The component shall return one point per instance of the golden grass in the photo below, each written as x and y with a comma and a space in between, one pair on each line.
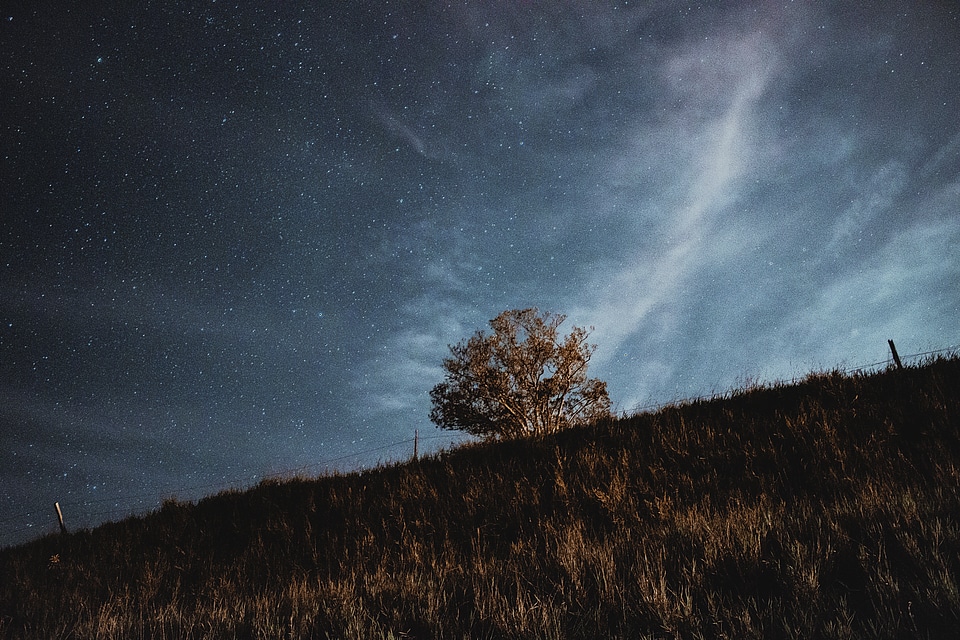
825, 509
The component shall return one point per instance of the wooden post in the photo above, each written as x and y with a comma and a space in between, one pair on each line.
896, 358
63, 527
416, 442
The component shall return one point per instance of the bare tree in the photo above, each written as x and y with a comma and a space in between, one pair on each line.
521, 379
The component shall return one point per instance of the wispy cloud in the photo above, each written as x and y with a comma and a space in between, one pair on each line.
879, 193
709, 135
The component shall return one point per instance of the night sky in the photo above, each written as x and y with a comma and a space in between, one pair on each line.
237, 240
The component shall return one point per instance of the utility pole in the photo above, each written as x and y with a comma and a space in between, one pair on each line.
416, 442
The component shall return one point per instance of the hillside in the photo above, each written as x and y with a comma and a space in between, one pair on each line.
825, 509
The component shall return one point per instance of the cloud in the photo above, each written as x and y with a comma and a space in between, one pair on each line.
878, 194
941, 160
708, 142
887, 296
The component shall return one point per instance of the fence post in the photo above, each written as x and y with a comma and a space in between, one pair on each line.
63, 527
896, 358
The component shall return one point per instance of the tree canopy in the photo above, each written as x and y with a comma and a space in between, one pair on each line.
521, 379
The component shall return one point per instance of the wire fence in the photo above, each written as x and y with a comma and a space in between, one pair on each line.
126, 505
873, 366
131, 504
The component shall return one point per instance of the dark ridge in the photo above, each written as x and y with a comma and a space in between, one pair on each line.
829, 508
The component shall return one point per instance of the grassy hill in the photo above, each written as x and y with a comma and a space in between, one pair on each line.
825, 509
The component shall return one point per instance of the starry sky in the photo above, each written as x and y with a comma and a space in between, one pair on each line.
237, 238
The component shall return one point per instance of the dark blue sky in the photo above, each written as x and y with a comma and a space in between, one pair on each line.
237, 241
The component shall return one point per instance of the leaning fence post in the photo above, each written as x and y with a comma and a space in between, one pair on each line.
63, 527
896, 358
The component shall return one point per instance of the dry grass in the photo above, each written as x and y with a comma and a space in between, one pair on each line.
827, 509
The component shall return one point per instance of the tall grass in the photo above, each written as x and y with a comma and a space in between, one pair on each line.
824, 509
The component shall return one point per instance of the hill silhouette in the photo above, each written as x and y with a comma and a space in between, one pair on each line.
829, 508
